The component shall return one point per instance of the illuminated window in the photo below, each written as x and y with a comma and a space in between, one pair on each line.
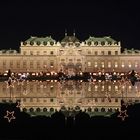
95, 64
136, 64
89, 64
109, 64
51, 64
109, 88
102, 88
116, 88
102, 64
96, 88
116, 64
129, 64
122, 64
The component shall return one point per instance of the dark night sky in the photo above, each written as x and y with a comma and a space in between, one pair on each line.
22, 19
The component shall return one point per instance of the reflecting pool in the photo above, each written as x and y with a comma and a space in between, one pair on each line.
94, 96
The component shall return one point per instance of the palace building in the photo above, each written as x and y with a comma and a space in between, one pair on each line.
70, 55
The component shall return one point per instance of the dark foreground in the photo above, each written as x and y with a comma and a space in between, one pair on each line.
56, 127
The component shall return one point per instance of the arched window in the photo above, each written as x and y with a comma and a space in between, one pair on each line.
44, 109
31, 43
38, 109
31, 109
52, 43
44, 43
102, 43
89, 43
96, 43
25, 43
51, 109
96, 110
24, 110
102, 109
38, 43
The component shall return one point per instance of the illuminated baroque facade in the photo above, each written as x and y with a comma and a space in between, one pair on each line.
70, 55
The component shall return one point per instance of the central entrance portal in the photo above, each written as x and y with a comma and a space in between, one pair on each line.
72, 69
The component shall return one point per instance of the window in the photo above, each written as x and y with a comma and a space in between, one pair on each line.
102, 89
31, 52
129, 64
96, 43
116, 52
96, 99
31, 99
51, 52
116, 99
45, 52
109, 64
116, 88
96, 53
109, 88
78, 59
61, 51
18, 64
89, 52
51, 64
116, 64
70, 59
4, 63
102, 64
95, 64
80, 51
102, 52
89, 64
11, 64
102, 43
136, 64
109, 52
38, 52
96, 88
24, 52
31, 64
24, 64
122, 64
38, 64
51, 100
103, 99
62, 59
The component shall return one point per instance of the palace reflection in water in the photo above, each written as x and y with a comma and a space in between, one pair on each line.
70, 94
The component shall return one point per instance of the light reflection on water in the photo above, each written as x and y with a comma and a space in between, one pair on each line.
70, 94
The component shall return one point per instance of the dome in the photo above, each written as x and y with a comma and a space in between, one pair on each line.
70, 39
